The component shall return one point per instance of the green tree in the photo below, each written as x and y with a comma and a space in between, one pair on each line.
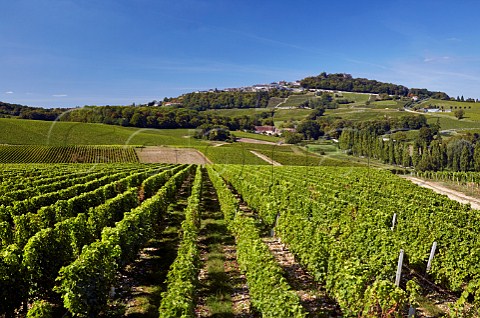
406, 158
437, 156
391, 152
459, 113
476, 156
465, 158
346, 139
292, 138
310, 129
415, 155
213, 132
425, 162
425, 135
315, 113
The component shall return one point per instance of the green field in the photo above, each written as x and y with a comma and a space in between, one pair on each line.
387, 104
296, 100
237, 112
290, 114
447, 122
364, 114
275, 101
450, 103
358, 99
29, 132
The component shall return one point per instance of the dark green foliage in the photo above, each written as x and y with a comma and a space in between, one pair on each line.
213, 133
26, 112
160, 117
292, 138
14, 288
345, 82
425, 135
310, 129
222, 100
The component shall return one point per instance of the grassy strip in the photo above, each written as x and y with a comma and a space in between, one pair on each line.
182, 279
216, 286
269, 291
219, 302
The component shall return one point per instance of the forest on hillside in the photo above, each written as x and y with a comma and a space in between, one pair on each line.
27, 112
345, 82
221, 99
160, 117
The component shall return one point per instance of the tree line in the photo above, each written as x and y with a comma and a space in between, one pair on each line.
26, 112
345, 82
221, 100
427, 152
161, 117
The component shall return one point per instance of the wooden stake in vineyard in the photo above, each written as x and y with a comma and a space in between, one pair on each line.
432, 253
394, 219
399, 269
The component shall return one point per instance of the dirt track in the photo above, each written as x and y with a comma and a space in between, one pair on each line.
265, 158
171, 155
452, 194
255, 141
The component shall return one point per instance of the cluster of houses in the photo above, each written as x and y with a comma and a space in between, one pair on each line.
282, 85
272, 130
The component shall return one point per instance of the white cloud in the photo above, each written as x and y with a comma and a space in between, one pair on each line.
454, 39
9, 92
437, 59
60, 95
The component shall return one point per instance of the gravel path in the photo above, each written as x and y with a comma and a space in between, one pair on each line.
452, 194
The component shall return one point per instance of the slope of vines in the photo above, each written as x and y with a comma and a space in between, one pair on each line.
67, 154
39, 235
338, 222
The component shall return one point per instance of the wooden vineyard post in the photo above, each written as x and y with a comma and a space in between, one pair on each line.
272, 231
393, 221
399, 269
432, 253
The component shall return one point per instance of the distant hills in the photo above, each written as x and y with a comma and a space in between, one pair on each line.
255, 96
27, 112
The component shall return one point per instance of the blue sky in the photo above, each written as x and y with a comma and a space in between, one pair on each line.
65, 53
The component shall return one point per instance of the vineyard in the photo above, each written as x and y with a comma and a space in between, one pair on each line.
70, 234
66, 154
